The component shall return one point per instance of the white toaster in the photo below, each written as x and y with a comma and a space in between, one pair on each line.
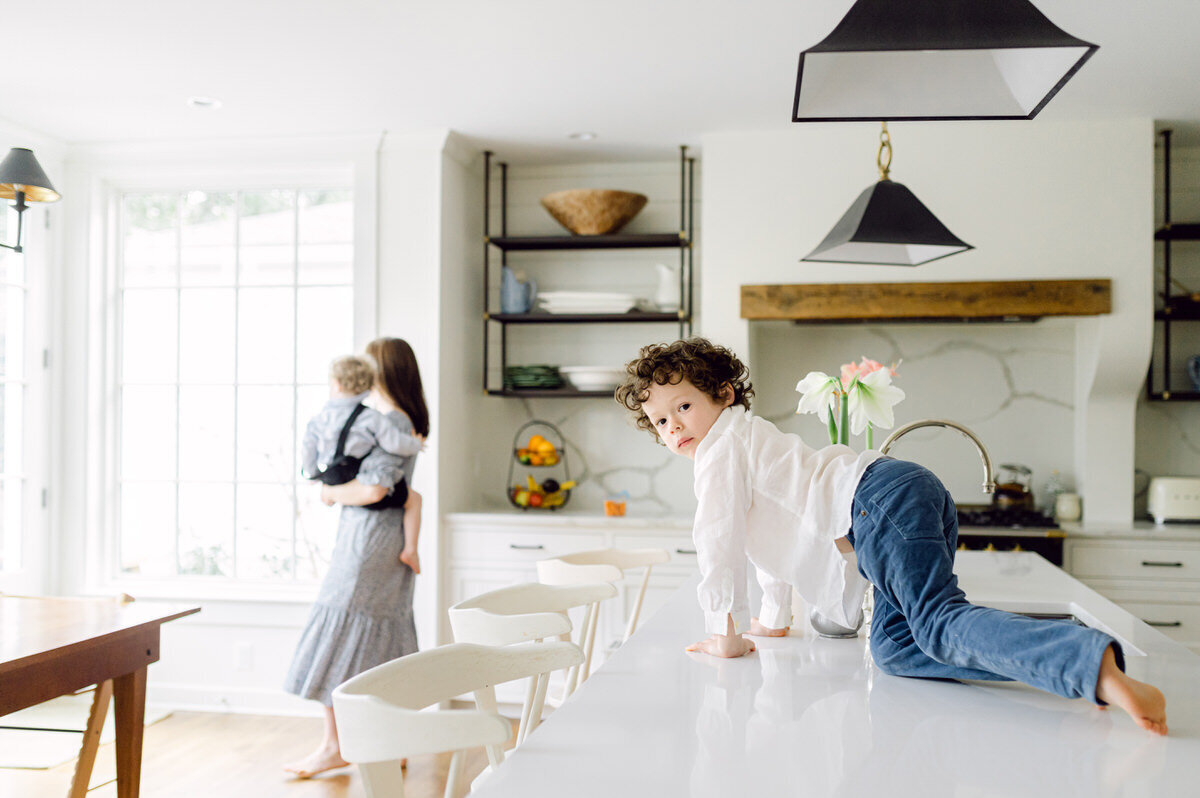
1174, 499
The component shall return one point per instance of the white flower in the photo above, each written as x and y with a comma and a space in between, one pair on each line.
871, 400
818, 394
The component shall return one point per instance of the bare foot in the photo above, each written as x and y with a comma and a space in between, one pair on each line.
1144, 703
317, 762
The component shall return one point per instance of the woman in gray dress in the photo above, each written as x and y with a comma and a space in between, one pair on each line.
363, 613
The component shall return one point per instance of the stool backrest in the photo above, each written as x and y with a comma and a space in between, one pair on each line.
522, 613
379, 715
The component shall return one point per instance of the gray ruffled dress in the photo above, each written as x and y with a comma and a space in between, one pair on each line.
363, 613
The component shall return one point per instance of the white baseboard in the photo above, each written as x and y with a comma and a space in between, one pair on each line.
240, 700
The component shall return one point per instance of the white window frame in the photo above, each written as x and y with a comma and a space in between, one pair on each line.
31, 576
356, 173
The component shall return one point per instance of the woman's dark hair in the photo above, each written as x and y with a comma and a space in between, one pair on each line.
400, 379
709, 367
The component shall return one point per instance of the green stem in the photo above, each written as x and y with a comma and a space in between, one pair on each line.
870, 436
833, 430
844, 437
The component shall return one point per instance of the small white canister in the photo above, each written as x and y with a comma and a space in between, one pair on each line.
1068, 507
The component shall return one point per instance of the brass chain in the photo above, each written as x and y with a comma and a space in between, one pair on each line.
885, 145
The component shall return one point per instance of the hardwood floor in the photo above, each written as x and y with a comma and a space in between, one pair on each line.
192, 754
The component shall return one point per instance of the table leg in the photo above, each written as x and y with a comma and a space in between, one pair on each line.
129, 703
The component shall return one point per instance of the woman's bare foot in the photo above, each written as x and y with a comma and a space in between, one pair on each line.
317, 762
1144, 703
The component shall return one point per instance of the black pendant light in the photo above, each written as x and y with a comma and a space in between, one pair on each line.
887, 225
936, 59
22, 179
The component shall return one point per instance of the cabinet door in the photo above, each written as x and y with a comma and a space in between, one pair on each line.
467, 582
1155, 561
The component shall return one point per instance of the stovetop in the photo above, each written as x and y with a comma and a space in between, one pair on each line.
1012, 518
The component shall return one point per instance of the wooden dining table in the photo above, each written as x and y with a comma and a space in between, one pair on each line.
55, 646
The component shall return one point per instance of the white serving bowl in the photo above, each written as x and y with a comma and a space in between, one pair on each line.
593, 378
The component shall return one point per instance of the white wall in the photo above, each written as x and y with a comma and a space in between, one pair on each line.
1038, 200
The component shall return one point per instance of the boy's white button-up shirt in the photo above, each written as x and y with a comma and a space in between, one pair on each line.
765, 494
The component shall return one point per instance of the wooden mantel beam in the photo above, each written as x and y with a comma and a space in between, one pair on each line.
922, 301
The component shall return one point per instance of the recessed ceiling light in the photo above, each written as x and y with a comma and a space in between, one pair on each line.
211, 103
584, 135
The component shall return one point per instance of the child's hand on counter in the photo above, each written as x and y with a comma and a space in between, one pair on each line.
723, 646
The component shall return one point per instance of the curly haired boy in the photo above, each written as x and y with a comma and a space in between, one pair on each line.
828, 521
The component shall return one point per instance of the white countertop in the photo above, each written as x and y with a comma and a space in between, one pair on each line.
810, 716
1136, 530
534, 519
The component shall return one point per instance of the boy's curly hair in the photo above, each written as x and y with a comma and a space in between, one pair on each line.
699, 361
353, 374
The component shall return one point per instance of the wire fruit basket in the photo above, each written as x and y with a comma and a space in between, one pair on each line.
544, 449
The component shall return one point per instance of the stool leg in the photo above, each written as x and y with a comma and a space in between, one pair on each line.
527, 708
586, 668
91, 740
539, 702
637, 605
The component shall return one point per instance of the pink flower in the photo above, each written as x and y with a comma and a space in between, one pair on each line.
867, 366
849, 372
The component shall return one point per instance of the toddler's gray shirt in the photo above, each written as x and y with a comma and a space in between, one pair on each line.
370, 430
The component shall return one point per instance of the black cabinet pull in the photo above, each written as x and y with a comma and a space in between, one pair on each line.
537, 547
685, 551
1153, 564
1169, 624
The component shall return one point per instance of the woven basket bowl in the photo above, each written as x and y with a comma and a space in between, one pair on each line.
593, 211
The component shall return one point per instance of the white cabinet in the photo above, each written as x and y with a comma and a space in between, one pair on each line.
1156, 580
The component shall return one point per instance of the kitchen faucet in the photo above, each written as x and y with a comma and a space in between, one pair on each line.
828, 628
989, 483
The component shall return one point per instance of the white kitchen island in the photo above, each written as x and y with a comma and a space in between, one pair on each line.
813, 717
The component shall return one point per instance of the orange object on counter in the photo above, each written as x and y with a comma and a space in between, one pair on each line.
614, 507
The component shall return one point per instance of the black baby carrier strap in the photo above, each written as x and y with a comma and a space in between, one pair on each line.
396, 498
342, 468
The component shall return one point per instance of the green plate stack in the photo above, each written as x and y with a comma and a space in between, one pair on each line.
517, 378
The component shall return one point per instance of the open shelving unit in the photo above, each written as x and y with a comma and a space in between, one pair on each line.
496, 324
1170, 307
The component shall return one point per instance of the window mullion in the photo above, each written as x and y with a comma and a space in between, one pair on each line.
237, 383
295, 371
178, 366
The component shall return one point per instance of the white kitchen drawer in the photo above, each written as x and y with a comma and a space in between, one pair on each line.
680, 547
516, 547
1180, 622
1136, 561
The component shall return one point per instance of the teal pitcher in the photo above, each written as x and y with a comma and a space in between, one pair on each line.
515, 296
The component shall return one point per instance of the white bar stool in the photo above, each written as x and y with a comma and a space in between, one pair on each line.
526, 613
378, 711
600, 565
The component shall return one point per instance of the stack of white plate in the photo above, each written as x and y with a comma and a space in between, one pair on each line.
585, 302
594, 378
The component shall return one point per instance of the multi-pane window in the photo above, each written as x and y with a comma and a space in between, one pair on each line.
232, 304
13, 384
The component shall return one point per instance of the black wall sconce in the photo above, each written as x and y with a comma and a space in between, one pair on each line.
23, 181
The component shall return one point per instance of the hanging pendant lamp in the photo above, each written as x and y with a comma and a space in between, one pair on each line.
887, 225
936, 59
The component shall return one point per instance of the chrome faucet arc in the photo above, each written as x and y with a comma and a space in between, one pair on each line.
989, 483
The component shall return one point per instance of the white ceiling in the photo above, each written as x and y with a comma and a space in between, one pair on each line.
515, 75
